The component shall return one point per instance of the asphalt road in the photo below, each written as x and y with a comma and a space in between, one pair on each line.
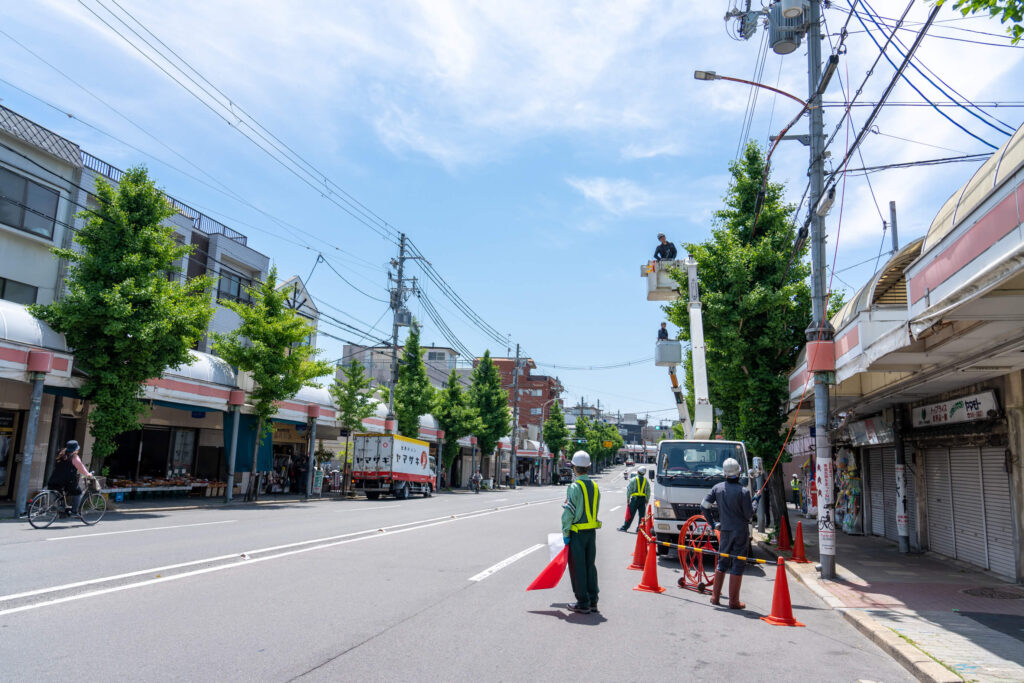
383, 590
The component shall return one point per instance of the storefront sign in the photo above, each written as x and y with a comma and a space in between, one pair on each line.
965, 409
318, 481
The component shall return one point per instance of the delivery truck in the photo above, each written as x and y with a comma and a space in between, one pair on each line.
392, 464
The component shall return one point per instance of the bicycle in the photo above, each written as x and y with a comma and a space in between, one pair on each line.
48, 505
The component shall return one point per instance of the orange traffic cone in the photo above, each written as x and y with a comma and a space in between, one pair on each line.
649, 581
639, 552
798, 545
784, 535
782, 608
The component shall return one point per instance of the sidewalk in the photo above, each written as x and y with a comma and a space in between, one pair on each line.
942, 619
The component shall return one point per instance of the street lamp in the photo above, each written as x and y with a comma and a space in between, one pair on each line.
712, 76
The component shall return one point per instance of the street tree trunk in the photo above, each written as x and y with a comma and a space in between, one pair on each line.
254, 486
778, 504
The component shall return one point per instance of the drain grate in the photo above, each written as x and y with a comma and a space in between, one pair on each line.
994, 592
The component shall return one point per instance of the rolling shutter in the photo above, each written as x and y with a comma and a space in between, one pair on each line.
939, 503
998, 513
889, 497
968, 509
876, 491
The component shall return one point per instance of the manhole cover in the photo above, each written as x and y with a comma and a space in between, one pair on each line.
994, 592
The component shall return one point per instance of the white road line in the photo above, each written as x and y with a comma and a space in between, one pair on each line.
615, 508
504, 563
135, 531
410, 526
500, 500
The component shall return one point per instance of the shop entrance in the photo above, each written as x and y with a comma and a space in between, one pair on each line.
9, 423
881, 490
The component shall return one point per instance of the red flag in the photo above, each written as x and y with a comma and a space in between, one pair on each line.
552, 573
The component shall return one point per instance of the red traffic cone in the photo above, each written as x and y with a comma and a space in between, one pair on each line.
782, 608
649, 581
784, 535
798, 545
639, 551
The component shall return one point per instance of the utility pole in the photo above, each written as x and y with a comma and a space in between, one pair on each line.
892, 221
820, 329
401, 318
515, 421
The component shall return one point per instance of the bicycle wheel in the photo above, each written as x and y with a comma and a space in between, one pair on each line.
93, 507
43, 509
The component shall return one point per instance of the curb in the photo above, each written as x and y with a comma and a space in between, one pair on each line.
913, 659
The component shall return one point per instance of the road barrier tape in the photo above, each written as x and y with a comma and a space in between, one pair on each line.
704, 551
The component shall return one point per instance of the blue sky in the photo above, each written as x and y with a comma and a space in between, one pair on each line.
531, 150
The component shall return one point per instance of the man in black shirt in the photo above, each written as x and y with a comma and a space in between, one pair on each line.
663, 333
666, 251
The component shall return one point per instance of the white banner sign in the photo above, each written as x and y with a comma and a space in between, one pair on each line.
964, 409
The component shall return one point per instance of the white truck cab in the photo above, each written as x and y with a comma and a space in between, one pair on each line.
686, 471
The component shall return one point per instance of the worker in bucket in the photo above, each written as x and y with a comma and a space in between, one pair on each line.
665, 251
735, 508
579, 532
663, 332
636, 498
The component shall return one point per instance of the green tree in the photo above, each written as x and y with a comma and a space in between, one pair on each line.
556, 436
756, 300
269, 344
491, 404
353, 398
1011, 11
456, 417
413, 393
126, 321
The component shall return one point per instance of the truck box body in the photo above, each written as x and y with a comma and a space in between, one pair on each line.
390, 456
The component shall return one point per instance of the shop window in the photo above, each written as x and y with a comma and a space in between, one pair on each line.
26, 205
233, 286
18, 292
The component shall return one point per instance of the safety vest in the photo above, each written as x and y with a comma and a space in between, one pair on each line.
794, 484
641, 487
589, 508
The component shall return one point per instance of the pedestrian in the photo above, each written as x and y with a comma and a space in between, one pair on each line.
795, 485
735, 508
665, 251
579, 532
663, 333
636, 499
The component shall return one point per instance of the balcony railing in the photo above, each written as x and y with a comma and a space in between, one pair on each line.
200, 221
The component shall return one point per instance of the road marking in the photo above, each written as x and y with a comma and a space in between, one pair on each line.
504, 563
500, 500
362, 536
135, 531
615, 508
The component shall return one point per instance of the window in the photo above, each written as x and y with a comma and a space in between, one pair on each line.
535, 411
18, 292
26, 205
233, 287
435, 355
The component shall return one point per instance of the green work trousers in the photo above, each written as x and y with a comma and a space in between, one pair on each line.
583, 567
637, 507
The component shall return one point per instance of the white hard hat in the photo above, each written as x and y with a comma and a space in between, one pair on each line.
581, 459
731, 467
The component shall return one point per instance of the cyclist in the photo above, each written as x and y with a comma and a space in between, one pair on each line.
477, 478
65, 475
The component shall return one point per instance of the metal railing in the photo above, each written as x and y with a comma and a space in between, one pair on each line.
200, 221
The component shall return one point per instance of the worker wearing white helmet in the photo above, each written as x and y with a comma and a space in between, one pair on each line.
579, 532
735, 508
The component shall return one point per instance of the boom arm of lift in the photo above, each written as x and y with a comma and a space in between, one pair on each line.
703, 418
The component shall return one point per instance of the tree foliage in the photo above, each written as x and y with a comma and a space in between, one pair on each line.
123, 316
352, 396
595, 435
456, 416
269, 344
756, 300
556, 435
413, 393
490, 402
1011, 11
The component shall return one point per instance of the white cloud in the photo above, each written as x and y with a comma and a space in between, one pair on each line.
616, 196
651, 150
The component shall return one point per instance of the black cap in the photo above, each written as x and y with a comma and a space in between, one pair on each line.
71, 446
